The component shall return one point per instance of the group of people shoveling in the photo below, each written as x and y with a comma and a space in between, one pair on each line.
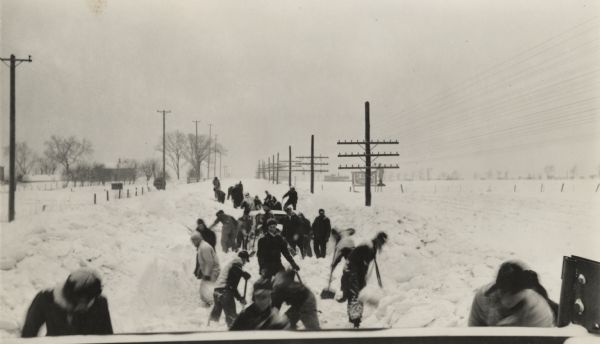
77, 306
261, 236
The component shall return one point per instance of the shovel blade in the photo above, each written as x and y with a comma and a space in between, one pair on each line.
327, 294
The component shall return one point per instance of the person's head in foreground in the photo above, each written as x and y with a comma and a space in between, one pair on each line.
74, 307
380, 240
516, 298
261, 294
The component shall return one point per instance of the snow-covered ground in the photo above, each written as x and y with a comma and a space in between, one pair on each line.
446, 239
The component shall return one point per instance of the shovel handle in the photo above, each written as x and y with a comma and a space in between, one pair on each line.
245, 286
299, 279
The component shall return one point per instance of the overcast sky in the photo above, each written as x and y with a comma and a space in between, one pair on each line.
467, 85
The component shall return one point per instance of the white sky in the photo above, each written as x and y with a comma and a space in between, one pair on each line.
467, 85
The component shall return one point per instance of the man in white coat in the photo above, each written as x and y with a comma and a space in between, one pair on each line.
207, 268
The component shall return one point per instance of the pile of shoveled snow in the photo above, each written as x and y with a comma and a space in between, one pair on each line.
442, 246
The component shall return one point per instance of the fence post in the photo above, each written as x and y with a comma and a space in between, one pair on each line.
515, 188
94, 198
136, 190
119, 193
142, 190
597, 186
562, 187
401, 188
127, 193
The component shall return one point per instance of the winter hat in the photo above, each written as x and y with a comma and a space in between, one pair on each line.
244, 256
82, 283
271, 222
381, 238
220, 212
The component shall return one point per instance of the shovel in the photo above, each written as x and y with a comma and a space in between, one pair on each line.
328, 293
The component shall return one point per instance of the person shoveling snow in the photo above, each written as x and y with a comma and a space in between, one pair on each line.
358, 263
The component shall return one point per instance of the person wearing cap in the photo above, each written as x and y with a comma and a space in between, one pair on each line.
358, 264
302, 301
226, 288
270, 248
260, 315
247, 202
257, 203
292, 198
207, 268
516, 298
322, 231
237, 194
76, 307
344, 245
216, 187
228, 230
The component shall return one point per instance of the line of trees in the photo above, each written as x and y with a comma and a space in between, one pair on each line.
71, 156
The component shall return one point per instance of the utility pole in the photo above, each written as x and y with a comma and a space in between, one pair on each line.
273, 167
220, 165
269, 167
289, 165
367, 155
14, 62
277, 168
164, 112
312, 163
196, 154
208, 156
215, 164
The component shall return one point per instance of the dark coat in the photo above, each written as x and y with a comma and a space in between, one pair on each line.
359, 260
277, 206
293, 196
305, 228
209, 236
293, 293
270, 249
321, 228
291, 227
252, 318
49, 309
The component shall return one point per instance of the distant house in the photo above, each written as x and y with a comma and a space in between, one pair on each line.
109, 173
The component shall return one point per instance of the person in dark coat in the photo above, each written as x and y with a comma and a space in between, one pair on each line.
260, 315
228, 231
268, 198
74, 308
292, 198
291, 229
244, 230
302, 301
216, 187
322, 231
237, 195
344, 244
270, 248
305, 232
257, 203
275, 204
358, 264
207, 234
226, 289
220, 195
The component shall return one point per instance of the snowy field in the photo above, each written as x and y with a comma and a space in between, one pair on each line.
446, 239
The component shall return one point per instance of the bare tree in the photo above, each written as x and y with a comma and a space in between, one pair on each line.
175, 142
194, 154
149, 167
67, 151
573, 171
25, 159
46, 165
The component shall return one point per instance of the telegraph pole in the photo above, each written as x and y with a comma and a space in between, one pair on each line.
215, 164
277, 168
208, 156
312, 163
14, 62
196, 154
164, 112
367, 155
220, 165
289, 165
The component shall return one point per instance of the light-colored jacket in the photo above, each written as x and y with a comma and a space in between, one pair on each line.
208, 260
495, 309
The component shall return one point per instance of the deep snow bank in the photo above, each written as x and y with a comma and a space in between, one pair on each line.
442, 246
